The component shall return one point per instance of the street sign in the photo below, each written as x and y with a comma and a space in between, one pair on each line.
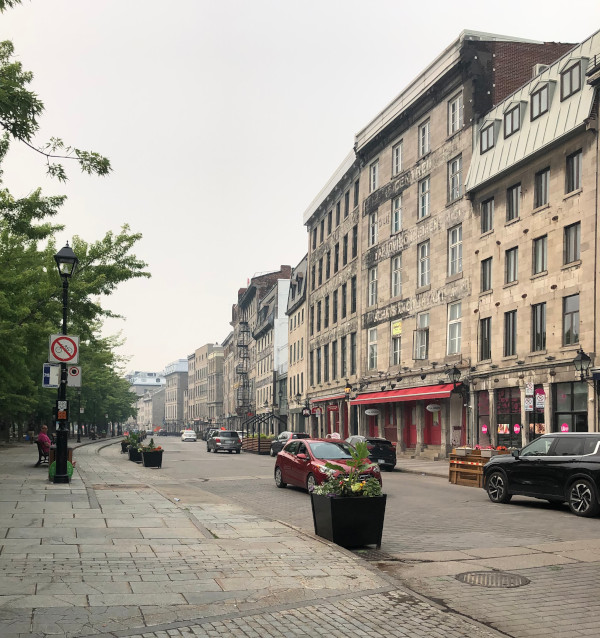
540, 401
64, 349
51, 375
528, 404
305, 411
62, 410
529, 389
74, 376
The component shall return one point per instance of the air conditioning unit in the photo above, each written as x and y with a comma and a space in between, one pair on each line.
539, 68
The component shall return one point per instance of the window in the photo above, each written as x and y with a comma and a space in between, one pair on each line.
327, 265
374, 176
395, 348
334, 306
397, 214
372, 349
424, 139
354, 241
539, 102
538, 327
512, 265
338, 212
322, 229
541, 188
372, 292
486, 274
326, 363
313, 278
540, 255
486, 137
572, 243
570, 320
485, 338
353, 353
318, 366
487, 215
396, 159
573, 172
423, 198
312, 320
454, 178
343, 357
334, 354
318, 316
320, 271
344, 299
512, 121
372, 229
396, 270
510, 333
326, 313
423, 264
570, 81
345, 250
356, 193
455, 110
455, 250
314, 238
329, 222
336, 257
454, 327
513, 202
353, 294
346, 204
422, 336
312, 368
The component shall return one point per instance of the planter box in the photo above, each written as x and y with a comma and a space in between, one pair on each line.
488, 453
463, 451
351, 521
134, 455
152, 459
124, 447
252, 444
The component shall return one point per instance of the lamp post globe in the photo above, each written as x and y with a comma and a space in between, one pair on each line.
66, 262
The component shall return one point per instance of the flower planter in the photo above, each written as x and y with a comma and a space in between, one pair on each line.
124, 447
152, 459
463, 451
349, 521
488, 453
135, 455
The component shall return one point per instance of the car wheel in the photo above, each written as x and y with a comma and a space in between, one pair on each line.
582, 498
497, 489
279, 478
311, 482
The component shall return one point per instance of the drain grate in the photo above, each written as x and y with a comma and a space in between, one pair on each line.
372, 555
492, 579
121, 486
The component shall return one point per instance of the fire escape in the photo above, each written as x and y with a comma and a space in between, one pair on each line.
243, 404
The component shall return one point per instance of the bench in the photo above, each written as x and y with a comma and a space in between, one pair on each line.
43, 456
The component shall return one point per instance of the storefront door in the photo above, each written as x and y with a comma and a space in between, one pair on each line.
432, 434
409, 429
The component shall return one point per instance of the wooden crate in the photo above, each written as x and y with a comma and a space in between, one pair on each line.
467, 470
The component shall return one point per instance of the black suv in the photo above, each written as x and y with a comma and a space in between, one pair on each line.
556, 467
381, 451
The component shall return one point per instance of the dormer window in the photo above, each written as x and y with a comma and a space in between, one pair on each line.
570, 80
487, 138
512, 121
539, 102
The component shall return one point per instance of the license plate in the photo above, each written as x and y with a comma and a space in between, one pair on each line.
380, 461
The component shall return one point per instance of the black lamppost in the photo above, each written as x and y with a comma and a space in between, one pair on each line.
582, 364
66, 261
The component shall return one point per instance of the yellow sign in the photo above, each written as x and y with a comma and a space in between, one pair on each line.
396, 328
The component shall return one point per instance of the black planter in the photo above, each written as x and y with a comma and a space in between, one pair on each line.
152, 459
349, 521
135, 455
124, 447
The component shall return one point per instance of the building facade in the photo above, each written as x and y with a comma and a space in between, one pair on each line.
176, 376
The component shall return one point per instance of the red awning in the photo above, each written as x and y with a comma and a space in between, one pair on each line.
405, 394
331, 398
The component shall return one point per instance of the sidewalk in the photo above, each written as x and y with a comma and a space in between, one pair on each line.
109, 555
424, 466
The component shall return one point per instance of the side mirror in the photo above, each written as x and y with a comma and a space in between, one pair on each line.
302, 457
516, 453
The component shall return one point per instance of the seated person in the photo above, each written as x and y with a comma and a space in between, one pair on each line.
44, 440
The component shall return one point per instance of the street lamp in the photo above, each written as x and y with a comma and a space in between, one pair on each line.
66, 262
454, 375
582, 364
347, 389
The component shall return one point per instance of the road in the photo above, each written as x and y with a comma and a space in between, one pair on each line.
434, 531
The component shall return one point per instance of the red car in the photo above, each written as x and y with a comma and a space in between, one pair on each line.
302, 462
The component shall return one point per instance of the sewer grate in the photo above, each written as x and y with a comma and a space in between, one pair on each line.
492, 579
121, 486
372, 555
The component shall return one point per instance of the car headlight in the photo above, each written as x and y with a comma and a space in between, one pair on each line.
376, 469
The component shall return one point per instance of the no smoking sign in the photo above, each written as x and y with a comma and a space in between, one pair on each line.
64, 349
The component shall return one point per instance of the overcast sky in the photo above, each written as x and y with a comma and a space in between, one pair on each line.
223, 119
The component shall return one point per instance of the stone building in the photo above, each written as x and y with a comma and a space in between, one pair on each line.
198, 386
176, 374
533, 256
230, 418
214, 400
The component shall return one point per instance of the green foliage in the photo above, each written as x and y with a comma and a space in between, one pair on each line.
349, 484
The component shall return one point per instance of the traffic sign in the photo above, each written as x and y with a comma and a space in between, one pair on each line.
51, 375
64, 349
62, 410
74, 376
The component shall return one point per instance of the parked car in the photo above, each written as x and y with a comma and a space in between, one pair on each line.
278, 443
224, 440
162, 432
557, 467
208, 433
189, 435
381, 451
302, 462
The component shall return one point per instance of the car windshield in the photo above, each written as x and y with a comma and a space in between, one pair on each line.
326, 450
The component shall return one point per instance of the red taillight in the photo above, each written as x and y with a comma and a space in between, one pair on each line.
217, 440
370, 447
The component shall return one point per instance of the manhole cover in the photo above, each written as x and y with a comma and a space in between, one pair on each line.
372, 555
120, 486
492, 579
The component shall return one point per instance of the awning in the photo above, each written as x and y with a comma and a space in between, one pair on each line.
406, 394
335, 397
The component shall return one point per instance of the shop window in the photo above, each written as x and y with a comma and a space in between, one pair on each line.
571, 401
508, 409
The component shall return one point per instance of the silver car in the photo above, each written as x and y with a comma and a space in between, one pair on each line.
224, 440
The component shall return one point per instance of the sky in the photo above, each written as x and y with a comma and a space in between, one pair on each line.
223, 119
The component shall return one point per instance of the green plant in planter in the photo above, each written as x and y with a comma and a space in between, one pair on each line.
133, 439
350, 484
150, 447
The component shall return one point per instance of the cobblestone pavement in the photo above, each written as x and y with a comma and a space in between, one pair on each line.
110, 555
